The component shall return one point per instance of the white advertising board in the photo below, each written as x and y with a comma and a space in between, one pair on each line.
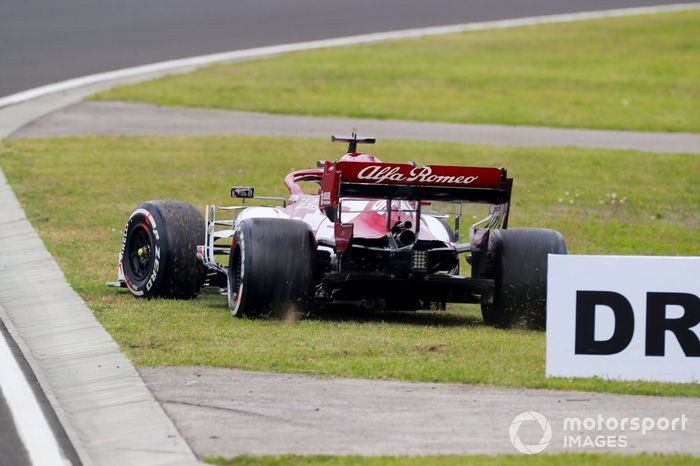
624, 317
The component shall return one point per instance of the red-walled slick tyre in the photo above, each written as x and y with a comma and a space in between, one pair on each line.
159, 251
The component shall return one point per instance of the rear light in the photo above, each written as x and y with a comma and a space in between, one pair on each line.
420, 260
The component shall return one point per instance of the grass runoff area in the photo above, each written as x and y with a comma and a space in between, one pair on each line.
481, 460
632, 73
78, 193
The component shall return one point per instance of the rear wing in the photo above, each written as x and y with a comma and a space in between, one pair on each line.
413, 182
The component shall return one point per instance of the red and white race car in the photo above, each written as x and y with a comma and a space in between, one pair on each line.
374, 235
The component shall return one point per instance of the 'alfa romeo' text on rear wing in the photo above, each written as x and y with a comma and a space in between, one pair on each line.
413, 182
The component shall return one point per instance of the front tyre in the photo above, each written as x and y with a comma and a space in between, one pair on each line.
159, 252
517, 260
271, 267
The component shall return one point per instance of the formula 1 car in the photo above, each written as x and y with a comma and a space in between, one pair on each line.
370, 237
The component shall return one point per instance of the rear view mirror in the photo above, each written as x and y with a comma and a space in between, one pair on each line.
244, 193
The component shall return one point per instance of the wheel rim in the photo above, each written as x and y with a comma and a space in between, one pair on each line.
235, 286
140, 247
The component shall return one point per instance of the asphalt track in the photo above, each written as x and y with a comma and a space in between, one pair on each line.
44, 42
13, 450
124, 118
12, 446
228, 412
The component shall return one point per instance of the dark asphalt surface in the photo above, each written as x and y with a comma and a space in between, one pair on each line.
13, 451
44, 42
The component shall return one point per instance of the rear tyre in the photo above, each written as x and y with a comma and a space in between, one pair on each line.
271, 267
159, 252
517, 260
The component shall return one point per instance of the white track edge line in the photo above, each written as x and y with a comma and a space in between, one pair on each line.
33, 428
258, 52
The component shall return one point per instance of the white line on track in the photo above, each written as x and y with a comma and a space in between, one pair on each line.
258, 52
33, 429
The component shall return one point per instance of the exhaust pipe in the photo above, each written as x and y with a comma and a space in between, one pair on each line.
403, 234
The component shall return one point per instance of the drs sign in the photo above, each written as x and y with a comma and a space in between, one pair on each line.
624, 317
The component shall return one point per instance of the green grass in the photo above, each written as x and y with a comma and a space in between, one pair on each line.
637, 73
570, 459
78, 193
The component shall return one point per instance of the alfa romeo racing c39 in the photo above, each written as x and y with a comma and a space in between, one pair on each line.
372, 235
